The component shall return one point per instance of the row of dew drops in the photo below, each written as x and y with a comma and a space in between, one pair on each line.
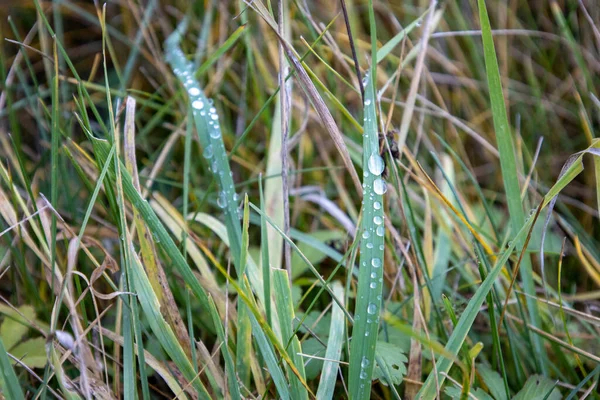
375, 166
199, 107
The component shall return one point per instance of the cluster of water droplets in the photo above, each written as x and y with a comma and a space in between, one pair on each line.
203, 107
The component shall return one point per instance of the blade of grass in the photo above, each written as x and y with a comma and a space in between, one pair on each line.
285, 312
370, 278
510, 175
160, 327
8, 379
232, 383
334, 348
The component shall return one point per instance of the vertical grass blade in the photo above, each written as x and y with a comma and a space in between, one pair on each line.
370, 278
334, 348
285, 311
211, 139
232, 383
158, 325
509, 172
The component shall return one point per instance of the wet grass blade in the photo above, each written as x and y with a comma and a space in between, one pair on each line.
372, 232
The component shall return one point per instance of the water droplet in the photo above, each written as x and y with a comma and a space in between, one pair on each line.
372, 308
377, 220
198, 104
373, 275
366, 234
214, 116
222, 200
363, 374
208, 151
380, 231
375, 164
194, 91
376, 262
369, 245
236, 197
381, 247
364, 362
379, 186
377, 205
214, 133
367, 333
367, 102
373, 285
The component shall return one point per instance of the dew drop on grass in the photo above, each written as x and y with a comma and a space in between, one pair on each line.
364, 362
379, 186
366, 234
367, 102
236, 197
375, 164
198, 104
377, 220
373, 285
373, 275
369, 245
222, 200
208, 151
194, 91
376, 262
214, 116
372, 308
380, 230
214, 133
377, 205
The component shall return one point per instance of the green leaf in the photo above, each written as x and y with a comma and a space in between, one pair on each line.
15, 325
313, 366
493, 381
455, 393
537, 387
31, 352
393, 360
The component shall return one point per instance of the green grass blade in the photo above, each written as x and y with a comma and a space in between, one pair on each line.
8, 380
370, 278
334, 348
160, 327
397, 39
285, 312
211, 138
232, 383
271, 362
462, 328
510, 175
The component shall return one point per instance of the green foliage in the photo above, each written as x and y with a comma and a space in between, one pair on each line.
158, 161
